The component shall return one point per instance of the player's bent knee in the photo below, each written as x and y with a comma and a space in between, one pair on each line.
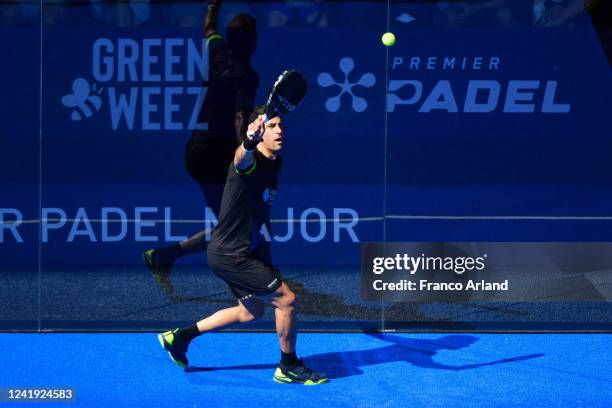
291, 298
284, 298
287, 302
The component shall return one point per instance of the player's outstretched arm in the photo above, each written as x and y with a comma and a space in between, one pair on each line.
243, 158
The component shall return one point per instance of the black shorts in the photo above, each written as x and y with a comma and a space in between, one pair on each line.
245, 276
207, 160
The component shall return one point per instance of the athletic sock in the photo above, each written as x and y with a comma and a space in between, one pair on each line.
289, 359
189, 333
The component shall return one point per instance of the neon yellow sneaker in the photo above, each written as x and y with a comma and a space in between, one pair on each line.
172, 342
298, 374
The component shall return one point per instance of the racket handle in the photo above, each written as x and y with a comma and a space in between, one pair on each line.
265, 118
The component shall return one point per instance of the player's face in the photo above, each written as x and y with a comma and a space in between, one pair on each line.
273, 135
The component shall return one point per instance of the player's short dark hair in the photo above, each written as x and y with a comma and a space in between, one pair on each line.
259, 110
241, 35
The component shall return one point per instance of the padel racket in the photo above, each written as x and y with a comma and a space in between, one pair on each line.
286, 94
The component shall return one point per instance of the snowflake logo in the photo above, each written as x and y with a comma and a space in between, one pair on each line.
346, 65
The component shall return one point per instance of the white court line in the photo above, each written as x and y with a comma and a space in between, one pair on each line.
389, 217
499, 217
201, 221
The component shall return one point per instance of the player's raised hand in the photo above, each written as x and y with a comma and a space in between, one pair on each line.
256, 129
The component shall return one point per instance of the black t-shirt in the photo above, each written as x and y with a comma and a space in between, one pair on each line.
245, 207
232, 88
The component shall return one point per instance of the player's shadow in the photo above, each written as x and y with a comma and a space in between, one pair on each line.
418, 352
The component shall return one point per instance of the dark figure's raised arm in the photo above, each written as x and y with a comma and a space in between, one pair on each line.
209, 27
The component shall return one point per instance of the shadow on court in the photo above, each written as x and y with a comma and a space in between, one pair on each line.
419, 353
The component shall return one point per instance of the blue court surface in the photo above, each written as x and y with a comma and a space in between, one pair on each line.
366, 370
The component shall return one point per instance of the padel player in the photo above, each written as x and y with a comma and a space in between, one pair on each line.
239, 254
229, 101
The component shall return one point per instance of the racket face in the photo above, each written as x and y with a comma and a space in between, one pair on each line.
287, 93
